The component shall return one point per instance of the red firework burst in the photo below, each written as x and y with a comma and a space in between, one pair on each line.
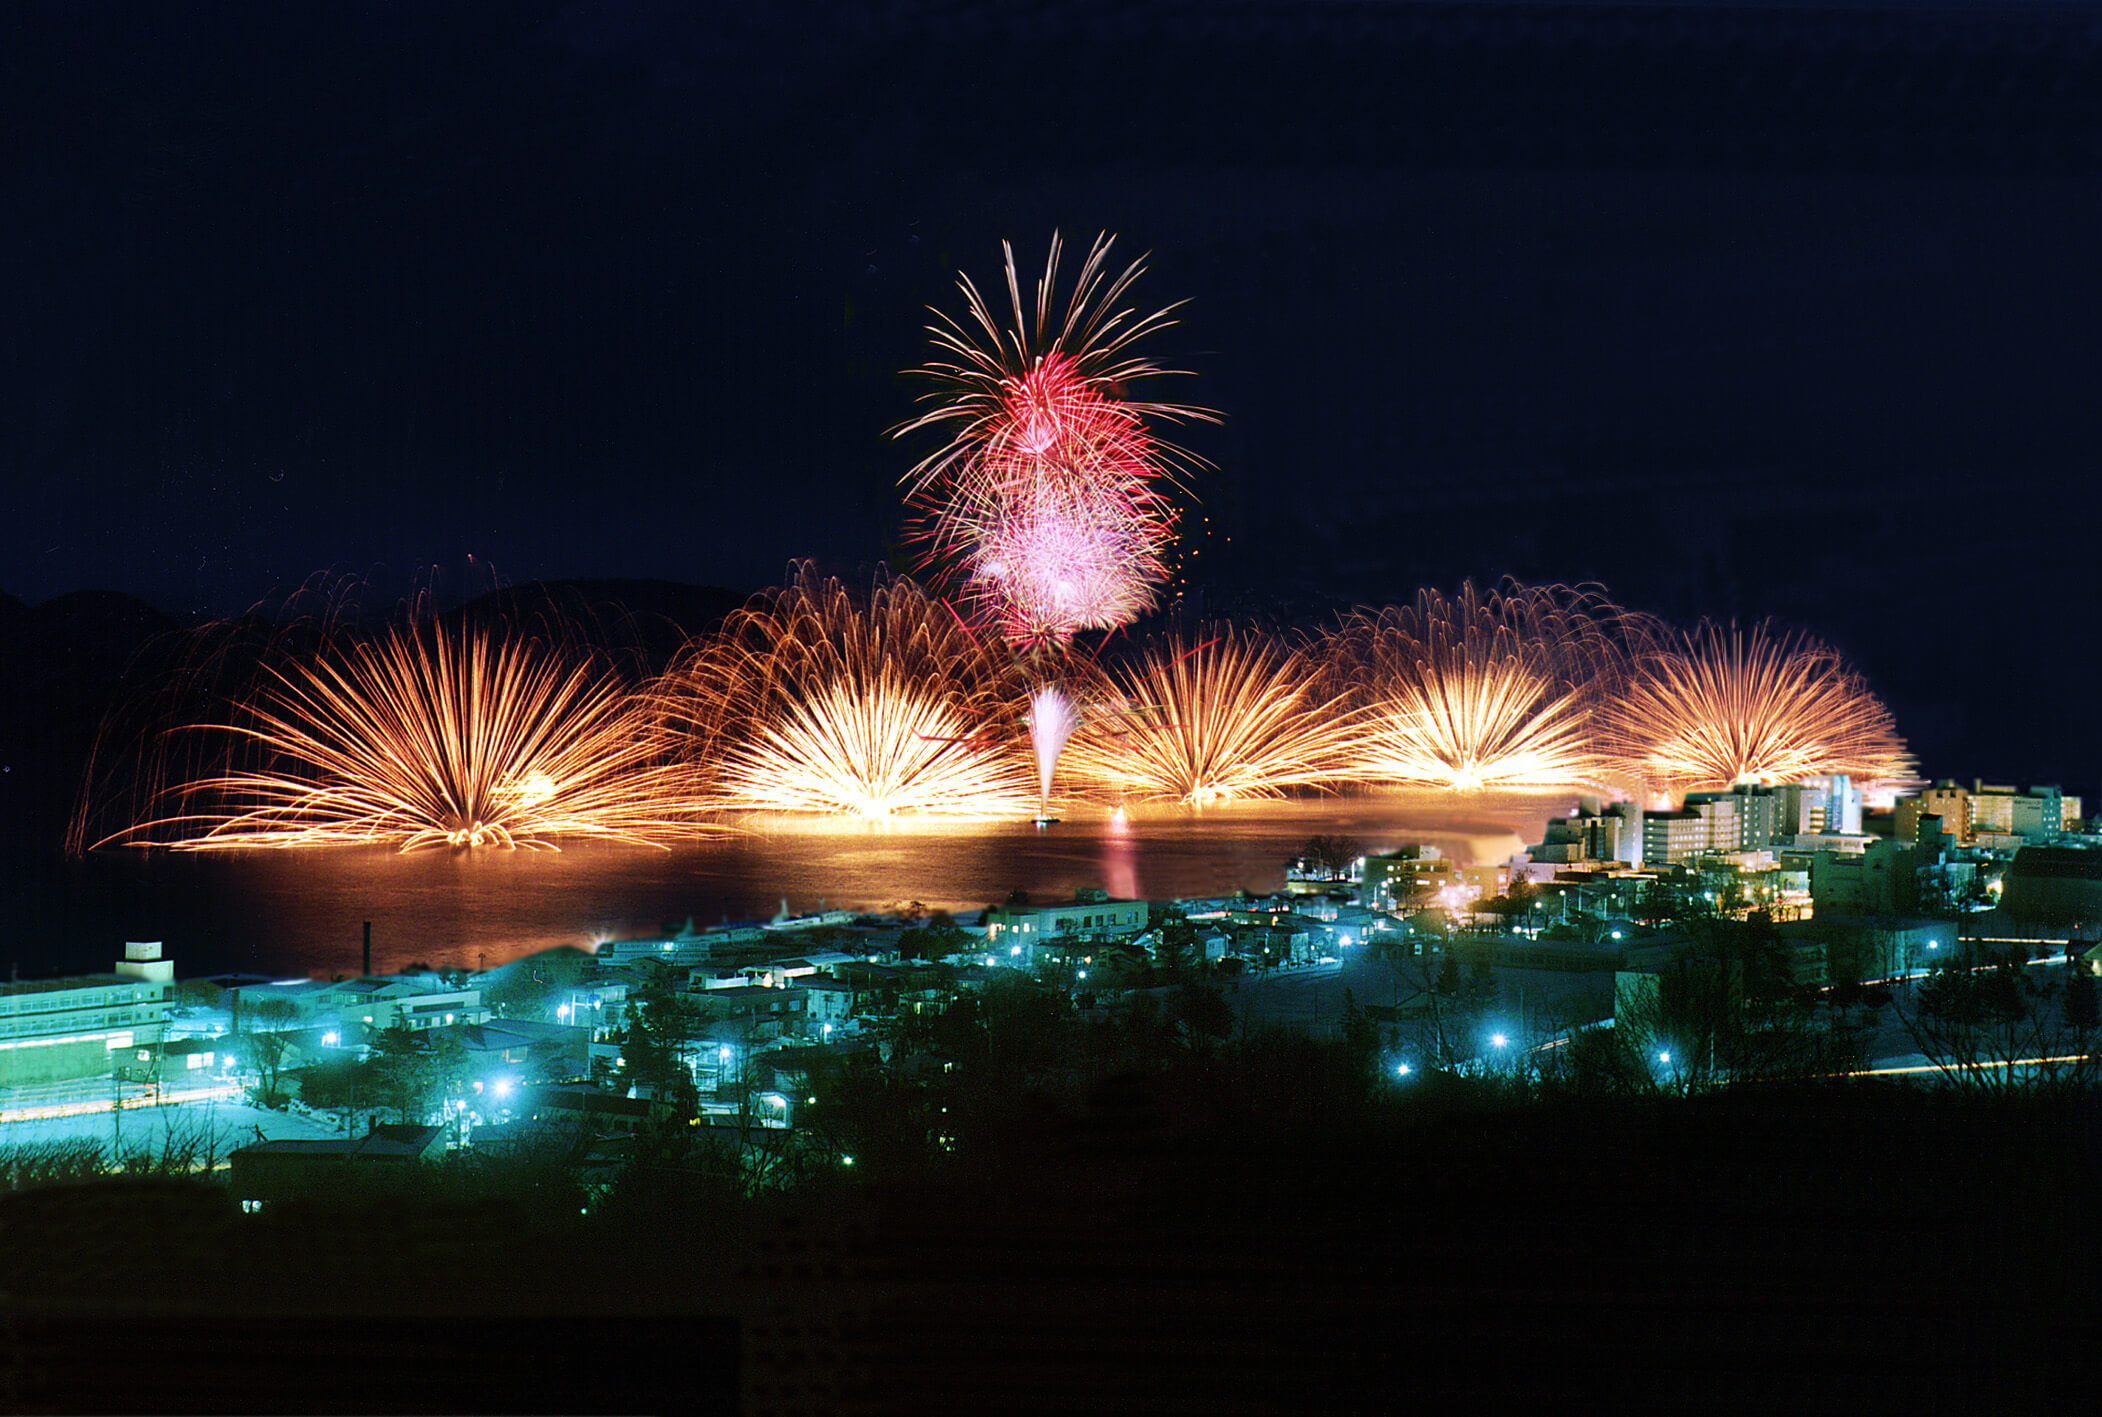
1050, 507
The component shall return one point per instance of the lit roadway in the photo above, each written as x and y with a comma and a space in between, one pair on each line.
88, 1096
1311, 997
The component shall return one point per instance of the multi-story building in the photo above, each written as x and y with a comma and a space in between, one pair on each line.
408, 1002
1882, 879
1828, 804
57, 1030
1593, 834
1017, 931
1998, 811
2039, 814
1946, 800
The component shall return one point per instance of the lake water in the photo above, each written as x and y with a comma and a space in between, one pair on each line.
302, 912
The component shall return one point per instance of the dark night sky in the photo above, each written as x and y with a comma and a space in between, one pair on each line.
1742, 310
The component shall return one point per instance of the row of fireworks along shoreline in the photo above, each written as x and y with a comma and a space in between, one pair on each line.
998, 684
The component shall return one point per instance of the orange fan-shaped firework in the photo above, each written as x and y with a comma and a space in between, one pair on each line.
1479, 690
1714, 707
1235, 715
816, 699
425, 735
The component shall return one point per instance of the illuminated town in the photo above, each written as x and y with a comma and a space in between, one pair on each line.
1060, 707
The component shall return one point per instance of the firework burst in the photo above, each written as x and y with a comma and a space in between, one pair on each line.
1050, 506
1477, 691
1235, 715
1710, 708
427, 736
814, 699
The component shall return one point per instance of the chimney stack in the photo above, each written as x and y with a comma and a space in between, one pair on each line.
368, 949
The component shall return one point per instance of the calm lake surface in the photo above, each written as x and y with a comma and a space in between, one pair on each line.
301, 912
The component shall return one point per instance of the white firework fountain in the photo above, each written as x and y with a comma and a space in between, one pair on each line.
1052, 718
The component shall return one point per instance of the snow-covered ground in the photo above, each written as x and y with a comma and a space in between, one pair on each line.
227, 1124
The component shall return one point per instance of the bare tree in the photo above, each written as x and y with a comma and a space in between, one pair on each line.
1991, 1021
264, 1026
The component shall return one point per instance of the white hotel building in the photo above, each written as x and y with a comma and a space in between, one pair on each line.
58, 1030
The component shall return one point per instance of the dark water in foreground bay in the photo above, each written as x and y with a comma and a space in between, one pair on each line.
301, 912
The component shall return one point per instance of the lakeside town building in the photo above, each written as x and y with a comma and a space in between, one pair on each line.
67, 1029
1017, 931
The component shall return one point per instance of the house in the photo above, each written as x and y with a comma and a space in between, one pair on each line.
388, 1155
1015, 932
415, 1002
519, 1046
766, 1013
828, 1002
590, 1110
175, 1063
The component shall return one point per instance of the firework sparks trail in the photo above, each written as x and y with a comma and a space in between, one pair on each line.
814, 699
1052, 718
1060, 559
1050, 506
1236, 715
430, 736
1711, 708
1478, 691
872, 749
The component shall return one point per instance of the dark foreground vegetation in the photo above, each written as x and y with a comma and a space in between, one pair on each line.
1264, 1223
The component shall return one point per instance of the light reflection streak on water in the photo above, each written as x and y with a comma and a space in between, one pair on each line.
301, 912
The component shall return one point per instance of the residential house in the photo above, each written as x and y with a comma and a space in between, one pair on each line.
275, 1171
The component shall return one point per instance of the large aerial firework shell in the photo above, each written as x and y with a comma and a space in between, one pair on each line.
1049, 505
1712, 707
818, 699
1059, 559
432, 736
1477, 691
1234, 715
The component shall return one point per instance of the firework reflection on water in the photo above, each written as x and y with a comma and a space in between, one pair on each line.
300, 913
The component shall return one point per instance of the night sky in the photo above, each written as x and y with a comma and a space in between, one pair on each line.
1741, 310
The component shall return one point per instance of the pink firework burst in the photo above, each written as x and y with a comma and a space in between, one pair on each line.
1051, 504
1058, 558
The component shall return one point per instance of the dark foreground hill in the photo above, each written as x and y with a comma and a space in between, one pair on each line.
1842, 1251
